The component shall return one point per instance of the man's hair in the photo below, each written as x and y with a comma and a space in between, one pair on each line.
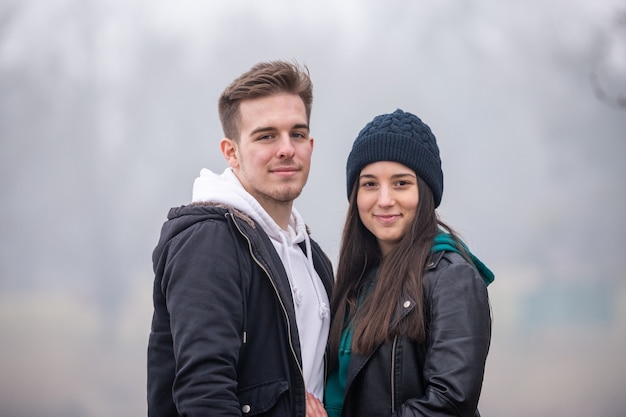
263, 80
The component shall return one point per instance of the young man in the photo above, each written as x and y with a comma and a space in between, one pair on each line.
241, 291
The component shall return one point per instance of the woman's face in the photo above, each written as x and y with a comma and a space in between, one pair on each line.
387, 198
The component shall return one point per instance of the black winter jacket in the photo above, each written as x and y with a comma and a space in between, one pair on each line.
442, 376
224, 340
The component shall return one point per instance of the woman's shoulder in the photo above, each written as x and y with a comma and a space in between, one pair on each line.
447, 268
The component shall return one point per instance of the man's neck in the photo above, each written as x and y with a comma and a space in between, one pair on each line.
279, 212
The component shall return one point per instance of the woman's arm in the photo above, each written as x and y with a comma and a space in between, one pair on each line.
458, 338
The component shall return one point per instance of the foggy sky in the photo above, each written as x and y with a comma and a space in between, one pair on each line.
108, 111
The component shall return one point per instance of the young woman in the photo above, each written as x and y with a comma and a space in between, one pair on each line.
411, 323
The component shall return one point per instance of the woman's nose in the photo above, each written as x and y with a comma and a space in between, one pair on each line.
385, 198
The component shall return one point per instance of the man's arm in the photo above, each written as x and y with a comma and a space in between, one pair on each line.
201, 284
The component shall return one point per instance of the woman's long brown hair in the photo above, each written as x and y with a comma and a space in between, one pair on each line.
400, 270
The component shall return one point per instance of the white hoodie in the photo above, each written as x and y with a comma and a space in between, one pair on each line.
310, 298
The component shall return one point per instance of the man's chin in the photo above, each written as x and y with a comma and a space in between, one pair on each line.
287, 195
288, 198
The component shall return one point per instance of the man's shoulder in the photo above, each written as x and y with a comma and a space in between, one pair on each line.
201, 211
186, 219
197, 209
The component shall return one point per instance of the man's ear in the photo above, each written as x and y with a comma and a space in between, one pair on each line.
229, 150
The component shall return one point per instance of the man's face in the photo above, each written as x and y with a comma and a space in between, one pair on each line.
272, 157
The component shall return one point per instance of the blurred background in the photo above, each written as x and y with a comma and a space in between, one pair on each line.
108, 111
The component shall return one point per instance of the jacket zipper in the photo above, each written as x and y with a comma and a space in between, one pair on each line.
393, 382
293, 352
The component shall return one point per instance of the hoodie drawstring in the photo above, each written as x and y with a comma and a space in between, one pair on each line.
323, 311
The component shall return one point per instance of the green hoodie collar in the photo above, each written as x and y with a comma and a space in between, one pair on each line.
444, 242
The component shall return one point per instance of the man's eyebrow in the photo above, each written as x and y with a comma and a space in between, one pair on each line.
262, 129
301, 126
273, 129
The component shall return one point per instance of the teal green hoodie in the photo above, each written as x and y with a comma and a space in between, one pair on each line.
336, 383
444, 241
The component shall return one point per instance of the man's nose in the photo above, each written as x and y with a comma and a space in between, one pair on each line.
285, 147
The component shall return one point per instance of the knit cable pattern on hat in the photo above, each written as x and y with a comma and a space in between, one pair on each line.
400, 137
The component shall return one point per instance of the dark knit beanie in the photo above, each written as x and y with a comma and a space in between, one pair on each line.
399, 137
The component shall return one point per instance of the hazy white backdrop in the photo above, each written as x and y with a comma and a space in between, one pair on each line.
108, 112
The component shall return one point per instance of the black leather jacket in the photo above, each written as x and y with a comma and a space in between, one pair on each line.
442, 376
224, 340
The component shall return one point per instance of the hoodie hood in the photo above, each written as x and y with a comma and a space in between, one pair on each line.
227, 190
444, 241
